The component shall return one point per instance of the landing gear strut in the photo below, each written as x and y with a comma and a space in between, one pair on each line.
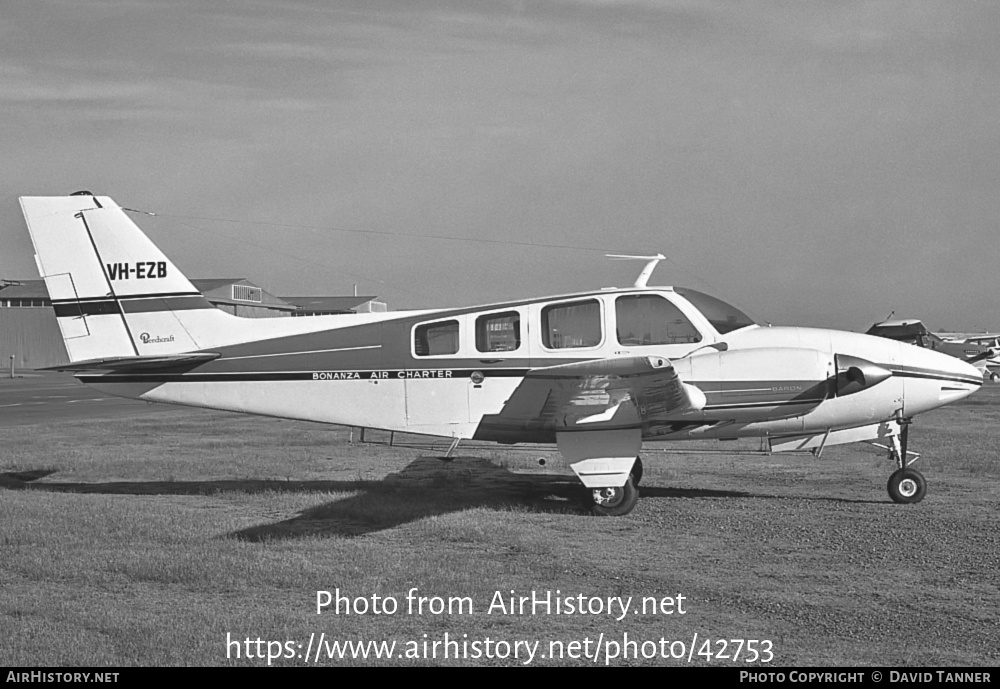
906, 486
637, 471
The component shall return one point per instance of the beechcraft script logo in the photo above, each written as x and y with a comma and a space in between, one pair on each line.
155, 339
143, 270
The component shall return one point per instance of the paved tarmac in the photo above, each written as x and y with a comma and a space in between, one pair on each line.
44, 397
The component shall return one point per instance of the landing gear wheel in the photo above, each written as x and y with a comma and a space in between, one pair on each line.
907, 486
994, 377
614, 502
637, 471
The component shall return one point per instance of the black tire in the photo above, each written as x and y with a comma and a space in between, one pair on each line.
637, 471
907, 486
614, 502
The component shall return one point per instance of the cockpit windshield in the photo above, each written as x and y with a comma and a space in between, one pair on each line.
722, 316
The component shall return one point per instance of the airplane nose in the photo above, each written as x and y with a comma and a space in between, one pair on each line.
932, 379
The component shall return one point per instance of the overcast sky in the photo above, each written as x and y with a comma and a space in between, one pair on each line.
815, 163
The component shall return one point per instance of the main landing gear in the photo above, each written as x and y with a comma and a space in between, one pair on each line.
608, 465
906, 486
614, 502
617, 501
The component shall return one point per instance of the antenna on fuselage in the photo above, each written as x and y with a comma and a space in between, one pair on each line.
640, 282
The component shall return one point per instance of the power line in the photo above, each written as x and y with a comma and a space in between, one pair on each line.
388, 233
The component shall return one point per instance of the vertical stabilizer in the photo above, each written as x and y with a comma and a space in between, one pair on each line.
114, 292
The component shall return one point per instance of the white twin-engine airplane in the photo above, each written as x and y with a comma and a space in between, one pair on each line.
595, 373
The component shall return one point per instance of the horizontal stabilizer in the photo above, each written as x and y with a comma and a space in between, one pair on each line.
134, 363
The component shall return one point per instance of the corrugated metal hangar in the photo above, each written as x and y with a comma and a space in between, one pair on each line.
29, 333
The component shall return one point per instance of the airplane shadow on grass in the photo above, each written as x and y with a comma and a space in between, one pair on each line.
423, 488
426, 487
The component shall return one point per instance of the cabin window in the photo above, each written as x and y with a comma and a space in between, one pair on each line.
435, 339
498, 332
574, 324
649, 319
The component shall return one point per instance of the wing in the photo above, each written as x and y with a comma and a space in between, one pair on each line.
603, 394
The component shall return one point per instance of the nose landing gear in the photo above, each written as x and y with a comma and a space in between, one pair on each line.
906, 486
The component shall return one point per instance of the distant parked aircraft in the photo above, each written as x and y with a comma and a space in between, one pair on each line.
982, 351
992, 341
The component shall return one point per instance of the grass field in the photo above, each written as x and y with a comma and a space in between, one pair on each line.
172, 539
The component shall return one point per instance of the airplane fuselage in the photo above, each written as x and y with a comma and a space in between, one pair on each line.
449, 372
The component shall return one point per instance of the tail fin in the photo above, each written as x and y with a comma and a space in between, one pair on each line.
114, 292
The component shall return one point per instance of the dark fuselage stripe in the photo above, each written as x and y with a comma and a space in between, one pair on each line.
408, 374
319, 376
139, 303
759, 405
936, 375
123, 297
762, 387
87, 308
